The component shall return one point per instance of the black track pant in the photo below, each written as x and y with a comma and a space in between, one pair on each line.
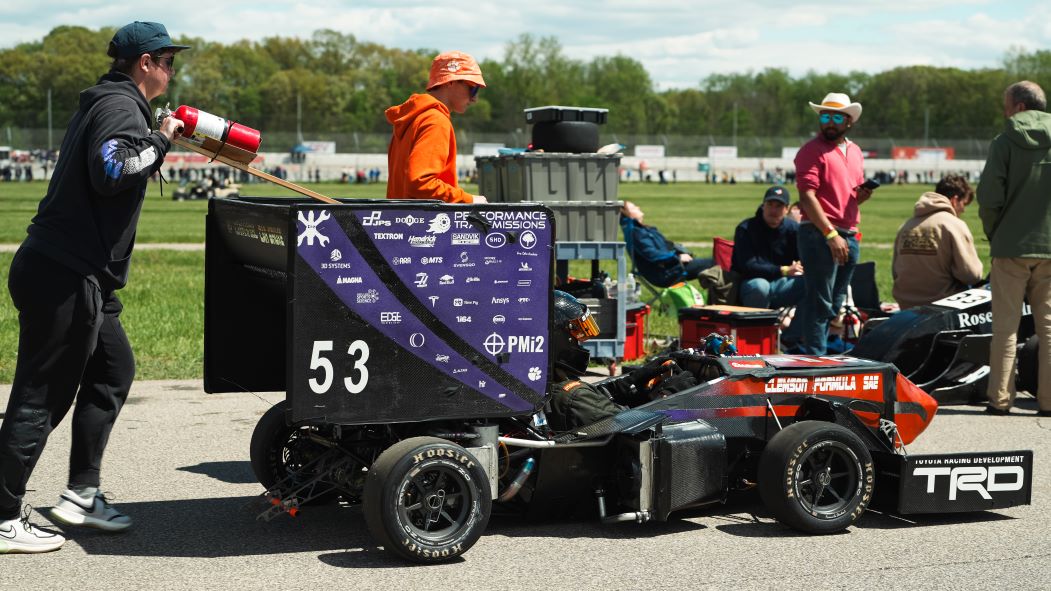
71, 345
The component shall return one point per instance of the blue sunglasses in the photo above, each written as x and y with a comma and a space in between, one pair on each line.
837, 118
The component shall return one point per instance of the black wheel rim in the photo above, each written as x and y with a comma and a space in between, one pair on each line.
299, 451
435, 503
827, 479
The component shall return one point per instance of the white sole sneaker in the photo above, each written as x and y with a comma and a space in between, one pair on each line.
99, 515
16, 538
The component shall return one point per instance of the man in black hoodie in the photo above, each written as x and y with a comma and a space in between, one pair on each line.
766, 258
64, 279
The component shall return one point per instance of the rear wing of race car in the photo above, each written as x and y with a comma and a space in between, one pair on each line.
953, 483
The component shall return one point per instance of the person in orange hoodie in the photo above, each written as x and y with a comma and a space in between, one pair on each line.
421, 159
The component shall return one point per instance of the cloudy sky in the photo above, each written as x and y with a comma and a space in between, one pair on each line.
679, 41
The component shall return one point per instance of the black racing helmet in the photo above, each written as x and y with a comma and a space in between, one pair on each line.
573, 316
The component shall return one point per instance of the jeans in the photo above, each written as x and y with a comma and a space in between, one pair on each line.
71, 347
826, 286
1013, 279
779, 293
783, 292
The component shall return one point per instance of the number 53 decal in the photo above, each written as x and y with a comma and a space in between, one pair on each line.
358, 349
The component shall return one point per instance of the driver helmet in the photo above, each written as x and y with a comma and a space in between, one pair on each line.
574, 317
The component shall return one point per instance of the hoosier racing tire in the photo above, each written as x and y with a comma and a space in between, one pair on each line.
426, 500
816, 477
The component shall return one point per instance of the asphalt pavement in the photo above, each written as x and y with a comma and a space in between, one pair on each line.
178, 464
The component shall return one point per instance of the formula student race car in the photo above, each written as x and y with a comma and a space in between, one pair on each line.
943, 347
405, 393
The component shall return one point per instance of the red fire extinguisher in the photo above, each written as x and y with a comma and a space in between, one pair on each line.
229, 138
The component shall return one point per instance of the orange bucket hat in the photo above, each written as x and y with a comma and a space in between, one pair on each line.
454, 65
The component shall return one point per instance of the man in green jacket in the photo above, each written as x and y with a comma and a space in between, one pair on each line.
1014, 203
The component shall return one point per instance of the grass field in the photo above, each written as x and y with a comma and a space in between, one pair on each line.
164, 299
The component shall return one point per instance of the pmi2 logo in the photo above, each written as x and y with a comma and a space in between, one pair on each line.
310, 231
979, 479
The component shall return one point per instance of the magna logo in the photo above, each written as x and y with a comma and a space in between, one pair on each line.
979, 479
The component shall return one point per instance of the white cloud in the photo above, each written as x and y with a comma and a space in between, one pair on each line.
679, 41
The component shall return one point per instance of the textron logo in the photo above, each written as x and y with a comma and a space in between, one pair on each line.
975, 478
374, 219
421, 280
311, 232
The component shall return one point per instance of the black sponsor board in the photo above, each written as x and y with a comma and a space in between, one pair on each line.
954, 483
404, 312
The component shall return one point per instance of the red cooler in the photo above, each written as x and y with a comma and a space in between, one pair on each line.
634, 331
754, 330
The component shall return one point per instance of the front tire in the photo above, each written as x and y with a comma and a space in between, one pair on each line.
816, 477
426, 500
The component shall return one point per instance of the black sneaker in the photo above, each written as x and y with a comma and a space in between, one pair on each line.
999, 412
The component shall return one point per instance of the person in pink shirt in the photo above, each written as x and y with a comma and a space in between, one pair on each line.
829, 175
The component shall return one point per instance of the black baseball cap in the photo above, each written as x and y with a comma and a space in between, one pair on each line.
140, 37
777, 193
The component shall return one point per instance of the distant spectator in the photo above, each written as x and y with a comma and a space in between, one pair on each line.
1013, 205
795, 212
829, 175
766, 255
657, 259
934, 254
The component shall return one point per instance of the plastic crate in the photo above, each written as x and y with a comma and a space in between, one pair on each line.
558, 113
634, 331
586, 221
754, 330
490, 182
556, 176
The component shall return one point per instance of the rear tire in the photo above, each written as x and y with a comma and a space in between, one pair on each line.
278, 449
426, 500
816, 477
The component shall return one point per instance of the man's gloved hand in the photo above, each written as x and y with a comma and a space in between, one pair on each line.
676, 383
642, 376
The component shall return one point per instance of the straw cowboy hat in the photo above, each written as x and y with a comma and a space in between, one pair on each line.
837, 101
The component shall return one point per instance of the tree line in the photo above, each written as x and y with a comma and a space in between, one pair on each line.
343, 85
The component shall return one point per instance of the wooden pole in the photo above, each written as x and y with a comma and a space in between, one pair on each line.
180, 141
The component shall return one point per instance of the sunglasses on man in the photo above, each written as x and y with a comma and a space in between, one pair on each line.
167, 63
837, 118
473, 89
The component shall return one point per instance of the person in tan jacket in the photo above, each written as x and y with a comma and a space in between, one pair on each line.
934, 254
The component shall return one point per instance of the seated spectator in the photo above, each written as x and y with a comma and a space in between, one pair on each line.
934, 254
795, 212
765, 255
659, 260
